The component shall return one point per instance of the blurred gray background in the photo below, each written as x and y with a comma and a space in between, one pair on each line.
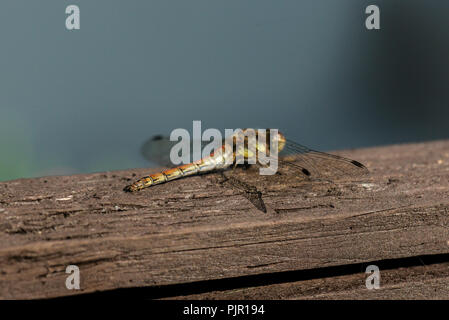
85, 100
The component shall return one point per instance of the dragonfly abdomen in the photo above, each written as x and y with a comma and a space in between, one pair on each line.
204, 165
164, 176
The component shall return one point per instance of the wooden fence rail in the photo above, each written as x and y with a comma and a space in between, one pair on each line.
203, 238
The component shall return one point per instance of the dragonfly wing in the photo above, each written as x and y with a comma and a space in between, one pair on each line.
319, 164
157, 149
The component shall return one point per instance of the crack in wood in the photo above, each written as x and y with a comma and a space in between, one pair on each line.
264, 279
286, 210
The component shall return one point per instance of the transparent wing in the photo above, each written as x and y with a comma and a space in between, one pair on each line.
157, 150
318, 164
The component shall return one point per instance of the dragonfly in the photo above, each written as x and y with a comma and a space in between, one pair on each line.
301, 161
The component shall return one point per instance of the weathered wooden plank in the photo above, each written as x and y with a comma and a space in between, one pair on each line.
202, 228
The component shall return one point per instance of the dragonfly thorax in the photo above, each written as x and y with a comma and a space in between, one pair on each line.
249, 143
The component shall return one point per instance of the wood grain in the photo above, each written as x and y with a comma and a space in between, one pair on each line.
203, 228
